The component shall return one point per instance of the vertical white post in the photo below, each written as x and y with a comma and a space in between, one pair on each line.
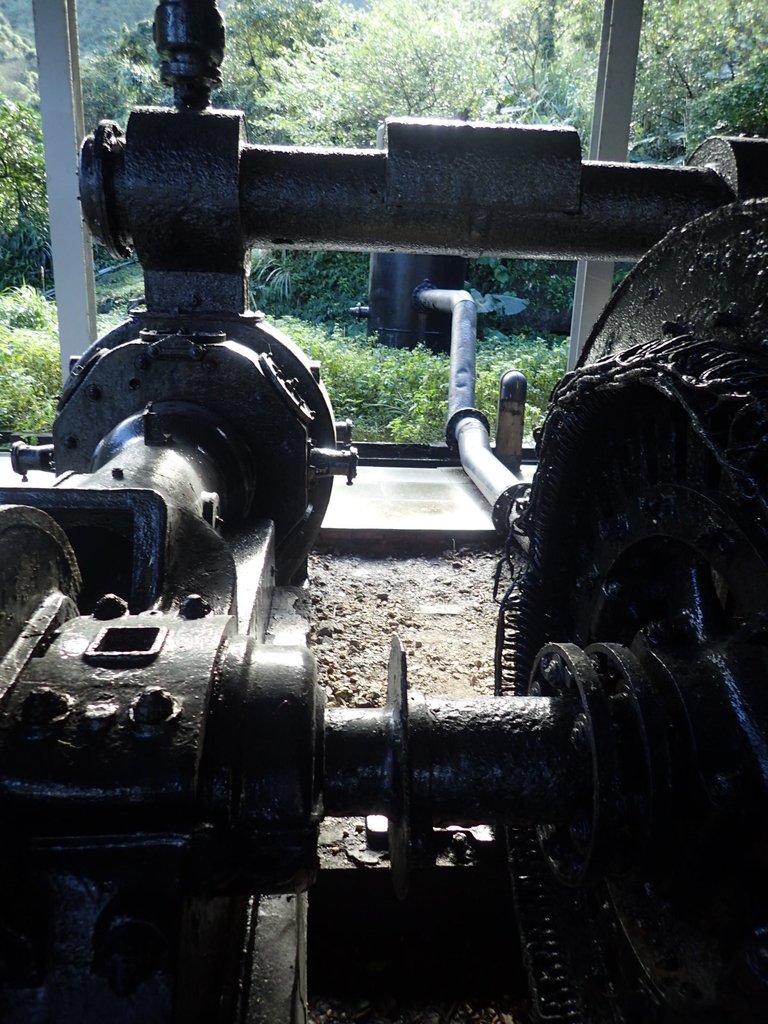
622, 20
61, 111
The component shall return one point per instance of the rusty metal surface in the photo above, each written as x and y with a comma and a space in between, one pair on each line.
294, 197
739, 161
217, 388
706, 279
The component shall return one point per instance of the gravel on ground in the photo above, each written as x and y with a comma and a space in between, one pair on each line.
441, 607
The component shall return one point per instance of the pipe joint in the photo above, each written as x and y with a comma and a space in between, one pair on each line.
456, 425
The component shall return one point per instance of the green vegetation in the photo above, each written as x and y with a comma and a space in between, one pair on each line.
400, 394
18, 76
326, 71
701, 71
24, 248
391, 394
316, 286
329, 74
123, 75
95, 18
29, 354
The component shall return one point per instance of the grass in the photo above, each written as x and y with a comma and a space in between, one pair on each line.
390, 394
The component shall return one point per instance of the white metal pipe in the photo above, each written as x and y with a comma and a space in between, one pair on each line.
62, 119
622, 21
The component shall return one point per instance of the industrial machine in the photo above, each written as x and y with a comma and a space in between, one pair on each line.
165, 754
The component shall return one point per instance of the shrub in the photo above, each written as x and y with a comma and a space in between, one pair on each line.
25, 307
29, 354
391, 394
368, 382
31, 380
311, 285
401, 394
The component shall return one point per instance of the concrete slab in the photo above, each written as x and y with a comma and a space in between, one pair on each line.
395, 500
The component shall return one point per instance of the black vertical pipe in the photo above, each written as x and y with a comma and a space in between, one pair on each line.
392, 314
513, 389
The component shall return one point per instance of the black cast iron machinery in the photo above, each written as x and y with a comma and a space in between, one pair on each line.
165, 753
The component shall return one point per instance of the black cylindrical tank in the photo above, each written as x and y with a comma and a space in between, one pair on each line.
392, 312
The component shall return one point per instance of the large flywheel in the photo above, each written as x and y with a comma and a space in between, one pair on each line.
648, 547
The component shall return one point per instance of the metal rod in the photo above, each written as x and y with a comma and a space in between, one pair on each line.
352, 200
463, 311
472, 761
357, 776
339, 199
491, 477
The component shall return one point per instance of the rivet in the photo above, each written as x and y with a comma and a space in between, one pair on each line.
98, 717
194, 606
152, 711
44, 710
110, 606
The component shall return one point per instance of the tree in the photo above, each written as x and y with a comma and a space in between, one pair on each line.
23, 200
390, 59
500, 60
699, 70
125, 74
737, 104
18, 75
261, 36
550, 74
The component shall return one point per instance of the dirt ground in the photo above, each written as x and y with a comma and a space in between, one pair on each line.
454, 1013
442, 609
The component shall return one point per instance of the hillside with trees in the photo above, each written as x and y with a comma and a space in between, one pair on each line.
96, 18
18, 66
